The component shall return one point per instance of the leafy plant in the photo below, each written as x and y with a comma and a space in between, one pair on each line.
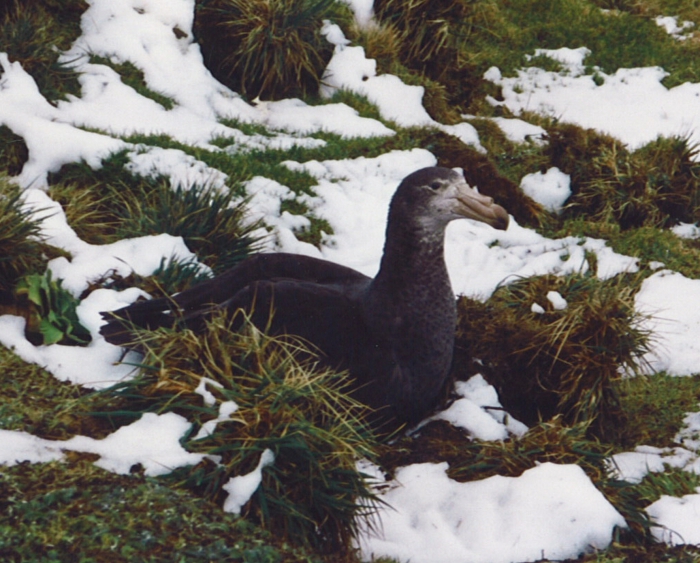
53, 317
266, 48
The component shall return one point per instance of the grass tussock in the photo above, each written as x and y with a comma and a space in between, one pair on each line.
431, 41
211, 222
13, 152
312, 492
33, 33
110, 204
266, 48
20, 240
656, 185
561, 361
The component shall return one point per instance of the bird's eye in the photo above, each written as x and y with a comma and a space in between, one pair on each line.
436, 185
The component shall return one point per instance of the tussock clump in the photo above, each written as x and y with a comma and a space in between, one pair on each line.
207, 218
312, 492
382, 42
470, 460
559, 362
657, 185
266, 48
33, 33
110, 204
13, 152
435, 41
89, 209
20, 244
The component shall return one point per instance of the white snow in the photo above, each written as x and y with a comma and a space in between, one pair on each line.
549, 511
242, 487
226, 409
672, 27
571, 59
550, 189
674, 321
519, 131
21, 446
631, 104
479, 412
677, 519
153, 442
557, 301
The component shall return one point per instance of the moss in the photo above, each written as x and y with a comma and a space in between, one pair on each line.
32, 400
656, 406
75, 511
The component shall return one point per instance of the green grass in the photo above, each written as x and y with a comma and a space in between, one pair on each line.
133, 77
655, 406
557, 371
454, 42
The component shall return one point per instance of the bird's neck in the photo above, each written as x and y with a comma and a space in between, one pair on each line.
414, 255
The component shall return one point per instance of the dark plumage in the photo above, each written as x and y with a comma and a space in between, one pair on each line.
394, 333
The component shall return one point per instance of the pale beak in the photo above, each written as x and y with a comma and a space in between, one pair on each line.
473, 205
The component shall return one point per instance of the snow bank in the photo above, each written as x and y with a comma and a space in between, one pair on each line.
631, 104
550, 511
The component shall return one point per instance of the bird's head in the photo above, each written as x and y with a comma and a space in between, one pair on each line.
438, 195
